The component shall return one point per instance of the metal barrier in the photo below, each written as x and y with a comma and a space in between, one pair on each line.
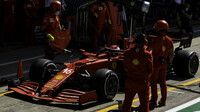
83, 25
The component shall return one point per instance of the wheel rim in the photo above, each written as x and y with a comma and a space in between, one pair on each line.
193, 64
47, 75
111, 86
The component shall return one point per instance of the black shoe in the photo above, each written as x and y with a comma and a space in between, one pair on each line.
160, 104
152, 105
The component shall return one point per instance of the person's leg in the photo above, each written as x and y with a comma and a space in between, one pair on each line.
110, 34
96, 33
49, 53
129, 95
153, 84
144, 98
163, 87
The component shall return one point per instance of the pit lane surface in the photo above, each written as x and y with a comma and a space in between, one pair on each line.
180, 89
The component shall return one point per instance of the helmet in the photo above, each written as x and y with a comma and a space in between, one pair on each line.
161, 25
55, 6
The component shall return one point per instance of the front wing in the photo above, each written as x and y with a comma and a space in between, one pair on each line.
67, 95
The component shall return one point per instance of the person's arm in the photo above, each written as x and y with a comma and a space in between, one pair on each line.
171, 55
44, 23
108, 16
125, 61
150, 65
93, 11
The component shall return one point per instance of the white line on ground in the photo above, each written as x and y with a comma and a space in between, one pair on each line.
184, 105
176, 92
17, 61
12, 75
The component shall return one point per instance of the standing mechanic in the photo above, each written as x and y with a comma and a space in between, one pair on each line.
163, 53
184, 16
51, 24
139, 66
8, 10
101, 21
30, 19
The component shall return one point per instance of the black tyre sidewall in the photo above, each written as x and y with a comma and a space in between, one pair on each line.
38, 69
101, 79
182, 61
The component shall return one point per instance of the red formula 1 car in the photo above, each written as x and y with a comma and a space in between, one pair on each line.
93, 77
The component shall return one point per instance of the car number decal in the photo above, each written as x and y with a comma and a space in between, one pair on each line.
67, 71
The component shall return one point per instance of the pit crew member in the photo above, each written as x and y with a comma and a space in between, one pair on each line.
139, 66
163, 53
51, 24
101, 21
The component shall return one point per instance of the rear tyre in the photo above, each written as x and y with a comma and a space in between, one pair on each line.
106, 84
186, 63
40, 70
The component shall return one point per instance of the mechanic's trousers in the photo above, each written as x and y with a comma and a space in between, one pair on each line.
97, 32
142, 88
7, 24
159, 75
49, 52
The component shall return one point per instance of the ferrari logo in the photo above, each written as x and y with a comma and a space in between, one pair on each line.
127, 46
114, 65
132, 3
59, 77
163, 48
137, 50
135, 62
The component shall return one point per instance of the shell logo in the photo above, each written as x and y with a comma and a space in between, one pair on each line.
163, 48
59, 77
135, 62
164, 38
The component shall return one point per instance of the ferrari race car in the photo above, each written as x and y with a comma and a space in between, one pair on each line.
94, 76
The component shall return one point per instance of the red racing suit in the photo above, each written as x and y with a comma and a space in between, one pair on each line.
99, 23
62, 36
139, 65
8, 7
51, 23
160, 49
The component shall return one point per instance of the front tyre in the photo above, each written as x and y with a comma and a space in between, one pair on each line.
106, 84
40, 71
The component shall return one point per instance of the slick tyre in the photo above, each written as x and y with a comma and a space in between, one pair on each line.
40, 70
106, 84
186, 63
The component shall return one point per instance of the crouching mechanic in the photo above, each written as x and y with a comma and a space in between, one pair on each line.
139, 66
56, 37
163, 53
